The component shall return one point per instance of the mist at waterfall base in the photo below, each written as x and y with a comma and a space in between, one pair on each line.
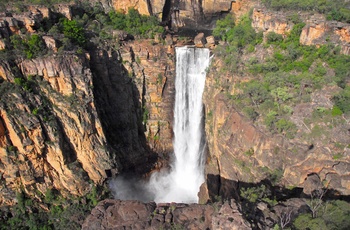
181, 182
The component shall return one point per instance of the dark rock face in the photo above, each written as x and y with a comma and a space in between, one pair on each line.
117, 103
116, 214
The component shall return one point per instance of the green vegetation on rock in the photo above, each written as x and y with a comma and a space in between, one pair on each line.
136, 24
74, 31
30, 46
333, 215
90, 27
52, 212
335, 10
282, 80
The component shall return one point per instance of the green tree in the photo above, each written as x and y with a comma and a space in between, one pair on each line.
342, 100
224, 27
74, 32
272, 37
256, 92
34, 46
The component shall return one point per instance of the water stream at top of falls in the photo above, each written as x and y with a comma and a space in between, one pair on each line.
182, 182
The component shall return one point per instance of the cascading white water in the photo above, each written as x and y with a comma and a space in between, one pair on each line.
182, 184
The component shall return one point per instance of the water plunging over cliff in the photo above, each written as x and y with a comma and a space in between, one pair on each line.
182, 184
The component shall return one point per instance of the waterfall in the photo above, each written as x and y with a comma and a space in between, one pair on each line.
182, 182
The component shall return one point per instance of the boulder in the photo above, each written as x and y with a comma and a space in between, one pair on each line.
117, 214
199, 40
50, 43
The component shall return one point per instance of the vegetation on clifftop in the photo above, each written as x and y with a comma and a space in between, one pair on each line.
90, 27
338, 10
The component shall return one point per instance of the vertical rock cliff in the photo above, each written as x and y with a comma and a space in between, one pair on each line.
151, 67
52, 136
67, 119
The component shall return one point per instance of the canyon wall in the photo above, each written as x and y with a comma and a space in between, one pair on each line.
70, 121
52, 136
241, 152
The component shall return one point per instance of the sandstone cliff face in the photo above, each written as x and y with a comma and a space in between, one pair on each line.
140, 5
68, 119
52, 134
118, 107
271, 22
241, 152
317, 31
153, 70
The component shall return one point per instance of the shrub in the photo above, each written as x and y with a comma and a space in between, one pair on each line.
74, 32
256, 92
254, 194
34, 46
336, 111
333, 215
281, 94
250, 113
271, 119
272, 37
30, 47
224, 27
286, 127
342, 100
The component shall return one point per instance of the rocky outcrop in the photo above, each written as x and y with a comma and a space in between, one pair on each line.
271, 22
317, 31
116, 214
140, 5
28, 20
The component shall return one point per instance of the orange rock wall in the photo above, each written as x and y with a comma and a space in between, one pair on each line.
124, 5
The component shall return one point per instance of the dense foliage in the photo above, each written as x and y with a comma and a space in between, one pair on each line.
54, 212
334, 9
333, 215
90, 27
75, 32
30, 46
134, 23
236, 37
